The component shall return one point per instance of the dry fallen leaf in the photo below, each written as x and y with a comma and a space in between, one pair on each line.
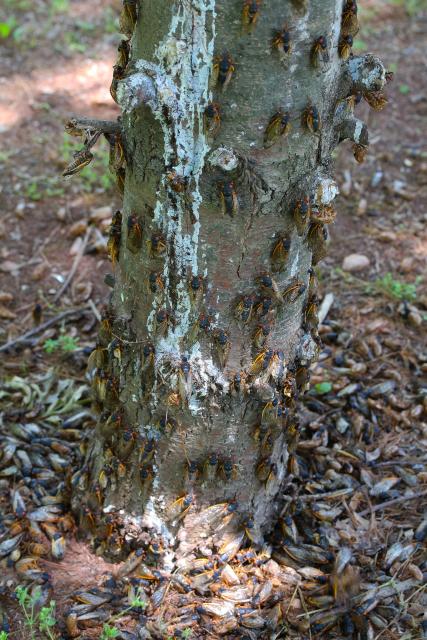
6, 313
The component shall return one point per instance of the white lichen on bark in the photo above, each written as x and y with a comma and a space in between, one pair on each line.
185, 59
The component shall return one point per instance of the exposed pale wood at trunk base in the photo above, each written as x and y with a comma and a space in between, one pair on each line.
212, 322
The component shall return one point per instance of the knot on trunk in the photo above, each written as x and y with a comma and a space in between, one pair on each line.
354, 129
367, 73
224, 158
142, 88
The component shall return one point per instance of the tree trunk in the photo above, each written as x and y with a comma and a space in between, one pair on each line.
211, 326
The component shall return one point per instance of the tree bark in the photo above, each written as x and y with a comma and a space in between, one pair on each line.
211, 325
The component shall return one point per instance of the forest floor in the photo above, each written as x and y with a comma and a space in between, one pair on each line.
364, 439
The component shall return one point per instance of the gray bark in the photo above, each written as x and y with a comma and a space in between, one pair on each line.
159, 423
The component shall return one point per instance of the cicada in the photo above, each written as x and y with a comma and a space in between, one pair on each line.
377, 100
349, 21
120, 179
157, 245
325, 214
37, 314
229, 201
81, 159
113, 244
301, 214
262, 470
196, 289
123, 51
185, 383
148, 448
134, 233
146, 473
311, 119
210, 467
161, 321
243, 309
279, 126
238, 384
263, 307
223, 70
212, 118
344, 46
319, 52
118, 74
156, 282
281, 42
180, 507
359, 152
353, 100
117, 153
250, 13
167, 423
264, 438
313, 283
191, 470
203, 323
148, 354
115, 350
260, 335
227, 470
222, 346
261, 362
270, 412
177, 182
72, 130
268, 286
128, 17
99, 384
302, 376
280, 253
311, 319
293, 291
317, 238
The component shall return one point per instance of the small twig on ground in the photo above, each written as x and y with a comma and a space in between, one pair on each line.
96, 313
390, 503
41, 327
76, 263
328, 495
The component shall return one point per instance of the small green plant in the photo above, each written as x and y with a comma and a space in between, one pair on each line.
63, 343
186, 633
136, 602
359, 45
7, 27
394, 288
109, 632
404, 89
47, 187
43, 620
3, 635
47, 619
59, 6
412, 7
321, 388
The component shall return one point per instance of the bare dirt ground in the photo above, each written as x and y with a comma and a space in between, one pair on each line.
57, 62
